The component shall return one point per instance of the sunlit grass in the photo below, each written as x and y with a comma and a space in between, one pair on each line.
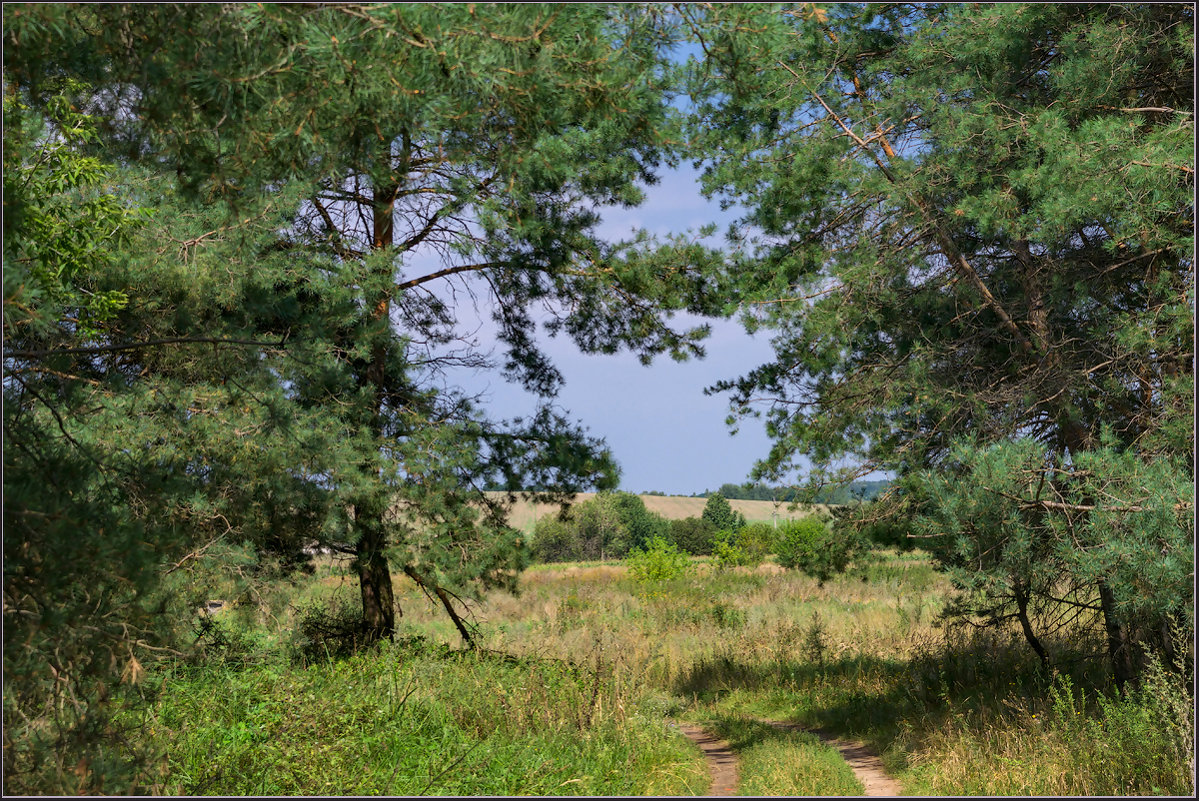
864, 658
784, 763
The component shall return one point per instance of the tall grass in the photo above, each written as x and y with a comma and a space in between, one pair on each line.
952, 710
413, 719
584, 665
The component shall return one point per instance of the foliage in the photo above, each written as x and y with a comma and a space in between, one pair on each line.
641, 524
695, 535
330, 630
824, 548
728, 552
74, 552
720, 514
757, 491
599, 529
799, 541
609, 525
993, 524
658, 560
555, 540
748, 546
759, 539
965, 221
61, 222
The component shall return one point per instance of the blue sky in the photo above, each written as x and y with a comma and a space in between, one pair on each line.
664, 432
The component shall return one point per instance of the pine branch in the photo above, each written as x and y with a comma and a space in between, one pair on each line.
950, 250
149, 343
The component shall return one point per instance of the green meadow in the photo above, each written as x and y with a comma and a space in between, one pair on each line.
580, 678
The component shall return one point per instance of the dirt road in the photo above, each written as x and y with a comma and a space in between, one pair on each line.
723, 762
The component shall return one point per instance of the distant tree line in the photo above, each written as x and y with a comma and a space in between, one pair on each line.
754, 491
618, 526
613, 525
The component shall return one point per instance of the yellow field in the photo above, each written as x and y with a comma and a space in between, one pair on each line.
525, 514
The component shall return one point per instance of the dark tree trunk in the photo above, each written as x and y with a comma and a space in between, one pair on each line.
374, 574
1021, 593
1118, 647
374, 580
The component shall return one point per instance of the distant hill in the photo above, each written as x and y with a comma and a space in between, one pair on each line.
672, 507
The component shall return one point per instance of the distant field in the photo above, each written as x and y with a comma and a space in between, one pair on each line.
525, 514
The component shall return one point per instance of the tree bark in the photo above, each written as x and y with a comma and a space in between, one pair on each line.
1021, 593
1118, 647
374, 581
374, 573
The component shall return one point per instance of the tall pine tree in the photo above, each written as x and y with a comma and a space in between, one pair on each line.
974, 228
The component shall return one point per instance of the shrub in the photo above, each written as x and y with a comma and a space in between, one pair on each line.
331, 631
693, 534
729, 552
555, 541
747, 547
758, 540
808, 545
659, 561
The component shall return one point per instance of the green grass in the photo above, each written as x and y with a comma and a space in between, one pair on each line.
784, 763
413, 719
584, 665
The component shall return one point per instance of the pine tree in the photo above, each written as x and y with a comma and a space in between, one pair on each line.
973, 228
719, 512
267, 358
440, 152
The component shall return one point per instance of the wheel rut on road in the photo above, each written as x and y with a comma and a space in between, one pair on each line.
723, 762
720, 756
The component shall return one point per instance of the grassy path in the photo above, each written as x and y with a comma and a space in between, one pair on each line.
724, 764
865, 763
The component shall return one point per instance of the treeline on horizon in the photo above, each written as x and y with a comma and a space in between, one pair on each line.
834, 495
753, 491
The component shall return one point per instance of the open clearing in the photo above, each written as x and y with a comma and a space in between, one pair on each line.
672, 507
754, 681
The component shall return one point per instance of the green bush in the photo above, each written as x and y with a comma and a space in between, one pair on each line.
746, 547
728, 552
694, 535
758, 540
659, 561
555, 541
809, 545
332, 630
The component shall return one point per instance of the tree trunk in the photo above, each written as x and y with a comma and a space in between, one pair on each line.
374, 581
1021, 593
1118, 647
374, 574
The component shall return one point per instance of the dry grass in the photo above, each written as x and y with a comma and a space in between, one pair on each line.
951, 713
524, 514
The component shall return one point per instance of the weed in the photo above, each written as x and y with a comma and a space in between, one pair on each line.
815, 641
